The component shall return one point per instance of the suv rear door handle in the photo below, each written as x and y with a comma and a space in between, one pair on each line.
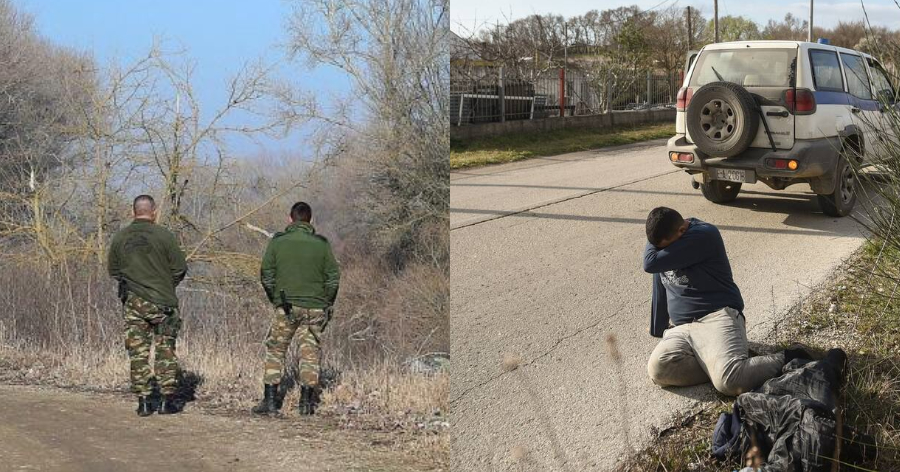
854, 109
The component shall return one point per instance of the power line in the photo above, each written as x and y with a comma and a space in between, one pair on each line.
654, 7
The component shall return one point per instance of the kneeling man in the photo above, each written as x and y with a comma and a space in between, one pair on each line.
693, 289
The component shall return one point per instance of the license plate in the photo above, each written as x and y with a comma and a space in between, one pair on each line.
734, 175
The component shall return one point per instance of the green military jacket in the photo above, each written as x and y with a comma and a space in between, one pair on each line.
301, 263
147, 257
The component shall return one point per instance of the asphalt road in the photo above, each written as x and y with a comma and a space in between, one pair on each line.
48, 430
546, 264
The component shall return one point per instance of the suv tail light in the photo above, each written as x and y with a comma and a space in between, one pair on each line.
681, 157
782, 164
683, 98
800, 101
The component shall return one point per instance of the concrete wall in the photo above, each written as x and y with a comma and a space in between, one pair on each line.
606, 120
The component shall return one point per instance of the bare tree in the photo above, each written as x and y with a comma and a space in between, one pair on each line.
790, 29
395, 53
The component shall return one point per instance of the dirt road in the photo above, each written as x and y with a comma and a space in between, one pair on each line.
54, 430
546, 263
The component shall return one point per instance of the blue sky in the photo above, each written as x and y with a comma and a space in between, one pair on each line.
220, 35
469, 15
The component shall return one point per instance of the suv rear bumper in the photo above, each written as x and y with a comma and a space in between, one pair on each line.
816, 161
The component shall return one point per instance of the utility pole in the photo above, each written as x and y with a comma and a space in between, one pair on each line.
501, 93
809, 36
690, 32
716, 19
497, 26
566, 46
566, 59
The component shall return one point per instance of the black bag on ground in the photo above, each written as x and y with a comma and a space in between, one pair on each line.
791, 419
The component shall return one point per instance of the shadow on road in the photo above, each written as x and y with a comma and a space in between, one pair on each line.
188, 382
788, 204
703, 392
814, 225
753, 202
537, 408
579, 189
775, 194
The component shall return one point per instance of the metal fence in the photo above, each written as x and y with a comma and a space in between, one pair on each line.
558, 93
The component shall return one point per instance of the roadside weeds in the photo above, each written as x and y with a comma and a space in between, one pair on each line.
516, 147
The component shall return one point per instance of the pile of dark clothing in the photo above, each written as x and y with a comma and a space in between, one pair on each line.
791, 420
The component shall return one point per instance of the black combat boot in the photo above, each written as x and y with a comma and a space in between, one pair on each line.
144, 406
169, 405
267, 405
309, 400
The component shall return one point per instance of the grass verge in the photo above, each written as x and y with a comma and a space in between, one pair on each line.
515, 147
856, 310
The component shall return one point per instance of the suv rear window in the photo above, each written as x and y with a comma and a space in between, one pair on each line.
749, 67
826, 70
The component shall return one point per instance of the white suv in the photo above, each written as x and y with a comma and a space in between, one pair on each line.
780, 112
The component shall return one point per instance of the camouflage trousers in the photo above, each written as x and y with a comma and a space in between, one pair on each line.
145, 324
308, 323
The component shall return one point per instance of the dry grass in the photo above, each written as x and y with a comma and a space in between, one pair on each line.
383, 394
684, 447
857, 310
67, 332
515, 147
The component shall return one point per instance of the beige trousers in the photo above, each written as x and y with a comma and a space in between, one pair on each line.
713, 348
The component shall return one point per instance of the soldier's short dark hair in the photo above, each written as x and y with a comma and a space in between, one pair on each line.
301, 211
662, 224
143, 205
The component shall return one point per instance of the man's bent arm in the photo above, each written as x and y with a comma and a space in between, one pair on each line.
267, 272
659, 308
177, 261
686, 251
332, 276
113, 265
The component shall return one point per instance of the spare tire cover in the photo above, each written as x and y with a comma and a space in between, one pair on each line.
722, 119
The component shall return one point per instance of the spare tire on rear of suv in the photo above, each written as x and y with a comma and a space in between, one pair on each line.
722, 119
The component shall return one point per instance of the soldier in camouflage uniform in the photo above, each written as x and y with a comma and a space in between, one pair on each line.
300, 276
148, 263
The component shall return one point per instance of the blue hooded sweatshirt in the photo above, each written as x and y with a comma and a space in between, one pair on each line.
691, 278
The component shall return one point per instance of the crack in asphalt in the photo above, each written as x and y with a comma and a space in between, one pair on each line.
506, 213
596, 323
546, 353
578, 331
